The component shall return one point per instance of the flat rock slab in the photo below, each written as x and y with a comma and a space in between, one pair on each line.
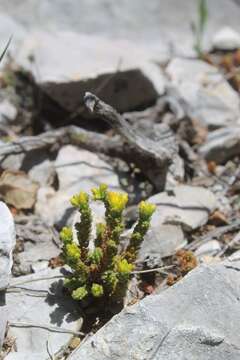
188, 206
36, 303
120, 72
221, 145
203, 92
7, 243
198, 318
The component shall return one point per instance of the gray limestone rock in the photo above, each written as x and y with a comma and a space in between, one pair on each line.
196, 319
160, 241
221, 145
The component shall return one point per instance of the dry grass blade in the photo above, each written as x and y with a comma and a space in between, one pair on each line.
6, 48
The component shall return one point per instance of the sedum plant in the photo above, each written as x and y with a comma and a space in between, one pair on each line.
102, 271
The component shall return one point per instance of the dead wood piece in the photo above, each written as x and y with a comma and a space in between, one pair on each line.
54, 139
150, 154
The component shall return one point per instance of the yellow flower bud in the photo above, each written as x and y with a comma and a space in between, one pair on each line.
100, 192
73, 252
146, 210
117, 201
80, 199
124, 267
66, 235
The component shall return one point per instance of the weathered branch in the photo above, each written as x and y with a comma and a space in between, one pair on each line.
88, 140
66, 135
150, 154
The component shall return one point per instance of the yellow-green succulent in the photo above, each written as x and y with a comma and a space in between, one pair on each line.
97, 290
102, 270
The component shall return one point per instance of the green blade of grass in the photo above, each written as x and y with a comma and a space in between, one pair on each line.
203, 14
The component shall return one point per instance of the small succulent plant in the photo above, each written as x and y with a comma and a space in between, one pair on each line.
103, 271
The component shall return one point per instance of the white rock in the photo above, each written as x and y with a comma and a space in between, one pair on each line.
13, 162
81, 169
221, 145
212, 247
7, 243
3, 317
77, 170
188, 206
203, 92
226, 39
159, 242
43, 173
8, 112
40, 303
24, 356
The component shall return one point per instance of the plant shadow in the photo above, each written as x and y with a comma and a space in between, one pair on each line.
65, 309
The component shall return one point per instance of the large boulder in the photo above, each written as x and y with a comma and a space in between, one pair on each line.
198, 318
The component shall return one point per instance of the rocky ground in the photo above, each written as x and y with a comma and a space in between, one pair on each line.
175, 142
